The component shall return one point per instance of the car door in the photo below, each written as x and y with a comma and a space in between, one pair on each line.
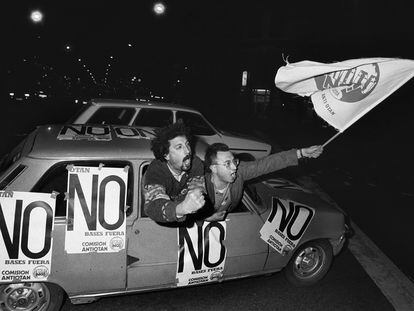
259, 197
246, 251
94, 271
152, 249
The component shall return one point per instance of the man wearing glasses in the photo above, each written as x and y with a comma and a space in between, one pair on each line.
224, 177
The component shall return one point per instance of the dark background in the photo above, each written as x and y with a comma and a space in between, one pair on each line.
195, 53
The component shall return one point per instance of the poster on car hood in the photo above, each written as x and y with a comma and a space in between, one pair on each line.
96, 199
286, 224
26, 239
201, 253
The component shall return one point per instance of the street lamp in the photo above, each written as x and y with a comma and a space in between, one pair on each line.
36, 16
159, 8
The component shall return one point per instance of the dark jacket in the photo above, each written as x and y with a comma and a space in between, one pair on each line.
162, 192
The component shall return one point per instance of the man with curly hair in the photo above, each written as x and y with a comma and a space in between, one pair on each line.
174, 181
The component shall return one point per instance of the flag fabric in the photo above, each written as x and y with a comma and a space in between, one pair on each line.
343, 92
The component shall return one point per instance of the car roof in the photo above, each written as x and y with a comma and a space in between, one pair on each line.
140, 104
65, 142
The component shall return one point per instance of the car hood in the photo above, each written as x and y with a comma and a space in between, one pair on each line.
285, 189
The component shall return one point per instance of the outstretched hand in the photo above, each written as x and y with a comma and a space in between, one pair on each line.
312, 151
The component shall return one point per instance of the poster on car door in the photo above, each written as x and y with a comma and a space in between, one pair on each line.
95, 206
201, 253
26, 239
286, 224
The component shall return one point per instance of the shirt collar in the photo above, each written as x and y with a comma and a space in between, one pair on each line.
175, 175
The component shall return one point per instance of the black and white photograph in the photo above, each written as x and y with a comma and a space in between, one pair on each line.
223, 155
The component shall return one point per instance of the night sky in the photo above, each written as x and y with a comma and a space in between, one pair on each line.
196, 42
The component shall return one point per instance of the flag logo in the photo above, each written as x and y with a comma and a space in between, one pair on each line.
351, 85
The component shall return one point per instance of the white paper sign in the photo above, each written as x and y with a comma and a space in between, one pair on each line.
26, 239
201, 253
96, 209
85, 132
286, 224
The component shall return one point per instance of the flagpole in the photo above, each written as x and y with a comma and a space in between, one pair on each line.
331, 139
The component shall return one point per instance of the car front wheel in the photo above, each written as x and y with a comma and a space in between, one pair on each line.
310, 263
31, 296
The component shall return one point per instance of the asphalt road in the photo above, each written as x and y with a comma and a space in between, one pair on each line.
346, 287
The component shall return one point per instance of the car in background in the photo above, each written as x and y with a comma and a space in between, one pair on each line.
72, 222
158, 114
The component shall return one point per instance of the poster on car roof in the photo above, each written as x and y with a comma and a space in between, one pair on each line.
85, 132
129, 132
96, 198
26, 239
286, 224
201, 253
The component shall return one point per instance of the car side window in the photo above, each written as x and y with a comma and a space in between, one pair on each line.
240, 208
196, 122
153, 117
112, 115
56, 179
251, 190
143, 169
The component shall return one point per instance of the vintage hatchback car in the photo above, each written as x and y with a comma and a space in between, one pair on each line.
159, 114
72, 222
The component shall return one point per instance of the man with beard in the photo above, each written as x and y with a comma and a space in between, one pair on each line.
225, 178
174, 181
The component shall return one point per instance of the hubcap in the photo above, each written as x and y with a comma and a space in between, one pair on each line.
24, 297
309, 261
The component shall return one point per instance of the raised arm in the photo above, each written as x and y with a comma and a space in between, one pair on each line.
277, 161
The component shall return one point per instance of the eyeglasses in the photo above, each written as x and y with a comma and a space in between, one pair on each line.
228, 163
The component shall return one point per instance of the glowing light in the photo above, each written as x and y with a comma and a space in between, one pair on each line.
159, 8
36, 16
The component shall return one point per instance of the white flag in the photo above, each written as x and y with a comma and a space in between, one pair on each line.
343, 92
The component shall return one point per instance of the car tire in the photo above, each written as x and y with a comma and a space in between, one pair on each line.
31, 296
310, 263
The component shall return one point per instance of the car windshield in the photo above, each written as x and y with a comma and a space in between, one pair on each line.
21, 149
79, 113
8, 159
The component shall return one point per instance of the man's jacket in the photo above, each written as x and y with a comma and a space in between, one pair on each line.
162, 192
250, 170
